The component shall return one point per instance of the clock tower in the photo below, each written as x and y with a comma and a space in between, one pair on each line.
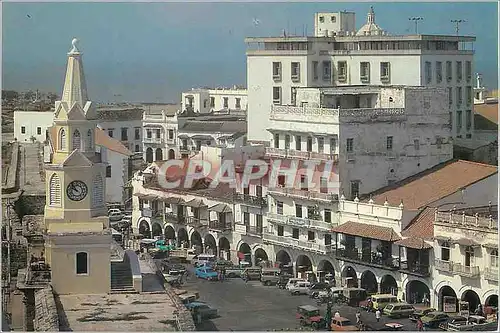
78, 238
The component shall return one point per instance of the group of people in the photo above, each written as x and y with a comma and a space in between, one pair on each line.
221, 272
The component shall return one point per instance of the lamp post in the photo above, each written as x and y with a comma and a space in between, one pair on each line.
416, 20
457, 24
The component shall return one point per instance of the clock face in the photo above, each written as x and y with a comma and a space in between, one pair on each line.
77, 190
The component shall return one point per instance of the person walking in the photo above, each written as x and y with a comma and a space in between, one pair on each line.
377, 315
337, 314
420, 325
358, 317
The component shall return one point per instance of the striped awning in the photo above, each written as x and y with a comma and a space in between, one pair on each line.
221, 208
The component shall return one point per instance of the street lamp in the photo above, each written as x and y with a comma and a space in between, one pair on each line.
416, 20
457, 24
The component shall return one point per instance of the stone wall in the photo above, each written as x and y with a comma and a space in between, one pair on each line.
10, 181
46, 316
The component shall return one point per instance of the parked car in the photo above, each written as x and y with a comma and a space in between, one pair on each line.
420, 312
270, 276
201, 259
173, 269
454, 320
235, 271
398, 310
309, 315
206, 273
342, 324
223, 263
201, 311
316, 288
252, 273
433, 319
189, 298
473, 323
291, 282
301, 287
380, 301
191, 254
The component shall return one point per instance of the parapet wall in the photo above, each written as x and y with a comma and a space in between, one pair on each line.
46, 316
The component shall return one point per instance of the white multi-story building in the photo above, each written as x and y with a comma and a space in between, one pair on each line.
203, 101
123, 124
277, 66
32, 125
160, 130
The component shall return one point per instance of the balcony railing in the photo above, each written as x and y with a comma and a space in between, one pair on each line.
491, 274
312, 246
303, 194
367, 258
174, 218
443, 265
300, 221
415, 269
219, 226
153, 140
250, 199
466, 220
298, 154
254, 230
466, 271
196, 222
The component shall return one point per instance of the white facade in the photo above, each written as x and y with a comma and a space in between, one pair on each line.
32, 124
117, 173
327, 24
202, 101
128, 132
160, 131
380, 59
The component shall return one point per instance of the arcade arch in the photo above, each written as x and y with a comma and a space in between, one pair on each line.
349, 277
210, 244
415, 292
182, 238
169, 232
473, 299
326, 271
260, 256
245, 253
388, 285
224, 248
144, 229
369, 282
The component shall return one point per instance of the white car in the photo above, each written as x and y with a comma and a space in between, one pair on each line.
292, 282
301, 287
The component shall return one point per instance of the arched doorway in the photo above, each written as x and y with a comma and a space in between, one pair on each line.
304, 268
473, 299
171, 154
349, 277
245, 253
159, 154
416, 291
492, 301
369, 282
196, 241
260, 257
388, 285
210, 244
182, 238
447, 292
284, 261
224, 248
326, 272
169, 232
149, 155
144, 229
156, 230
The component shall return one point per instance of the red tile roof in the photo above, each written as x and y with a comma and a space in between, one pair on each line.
367, 231
422, 225
433, 184
413, 243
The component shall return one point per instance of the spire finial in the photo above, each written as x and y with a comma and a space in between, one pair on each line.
75, 48
371, 16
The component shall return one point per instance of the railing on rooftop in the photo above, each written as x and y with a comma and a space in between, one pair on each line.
303, 194
250, 199
298, 154
300, 221
413, 268
368, 258
458, 219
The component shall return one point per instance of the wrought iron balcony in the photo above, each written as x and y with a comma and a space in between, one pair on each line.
491, 274
368, 258
250, 199
443, 265
412, 268
219, 226
301, 155
196, 222
303, 194
254, 230
154, 140
299, 222
174, 218
311, 246
466, 271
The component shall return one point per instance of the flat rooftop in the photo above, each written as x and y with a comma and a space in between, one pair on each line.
118, 312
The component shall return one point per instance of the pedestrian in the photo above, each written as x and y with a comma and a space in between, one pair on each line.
377, 315
369, 305
420, 325
358, 317
337, 314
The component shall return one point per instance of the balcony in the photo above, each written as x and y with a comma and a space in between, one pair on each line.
412, 268
491, 274
196, 222
443, 265
300, 222
174, 218
153, 140
303, 194
311, 246
368, 258
250, 200
466, 271
219, 226
301, 155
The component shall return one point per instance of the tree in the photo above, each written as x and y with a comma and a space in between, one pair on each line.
10, 95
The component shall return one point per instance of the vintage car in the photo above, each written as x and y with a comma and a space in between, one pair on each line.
309, 315
420, 312
201, 311
206, 273
398, 310
342, 324
454, 321
315, 288
433, 319
300, 288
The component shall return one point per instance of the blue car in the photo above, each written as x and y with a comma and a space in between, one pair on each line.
206, 273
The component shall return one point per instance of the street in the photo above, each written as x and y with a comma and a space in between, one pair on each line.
254, 307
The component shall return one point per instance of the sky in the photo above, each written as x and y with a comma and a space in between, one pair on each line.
154, 51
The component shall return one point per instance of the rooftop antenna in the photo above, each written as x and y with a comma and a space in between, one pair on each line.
416, 20
457, 24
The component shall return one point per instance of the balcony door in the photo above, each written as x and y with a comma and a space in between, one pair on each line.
180, 211
366, 249
222, 219
196, 213
469, 256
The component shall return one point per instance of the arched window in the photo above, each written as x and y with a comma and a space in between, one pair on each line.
62, 139
97, 193
55, 191
77, 140
89, 141
82, 263
494, 259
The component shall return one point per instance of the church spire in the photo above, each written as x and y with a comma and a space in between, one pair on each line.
371, 16
75, 87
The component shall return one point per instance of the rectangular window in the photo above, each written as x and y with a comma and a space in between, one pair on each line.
416, 144
137, 133
389, 143
149, 134
82, 266
309, 144
293, 98
276, 140
468, 71
295, 233
295, 71
323, 185
385, 72
204, 103
311, 213
298, 210
281, 180
258, 191
449, 74
238, 103
39, 131
468, 119
342, 71
450, 119
298, 142
212, 102
258, 222
468, 92
439, 72
328, 239
170, 134
23, 130
110, 133
445, 252
246, 190
321, 19
280, 230
459, 121
158, 133
321, 145
226, 102
276, 95
333, 145
310, 236
137, 148
450, 96
428, 72
279, 207
328, 216
354, 189
459, 96
198, 145
459, 71
287, 141
327, 71
108, 171
315, 70
350, 145
184, 144
277, 71
364, 71
141, 204
246, 218
303, 183
124, 134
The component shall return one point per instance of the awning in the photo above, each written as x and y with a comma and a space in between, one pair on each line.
413, 243
196, 203
221, 208
442, 239
491, 246
367, 231
183, 135
146, 196
172, 200
466, 242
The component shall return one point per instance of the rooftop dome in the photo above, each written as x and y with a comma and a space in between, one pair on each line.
370, 28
